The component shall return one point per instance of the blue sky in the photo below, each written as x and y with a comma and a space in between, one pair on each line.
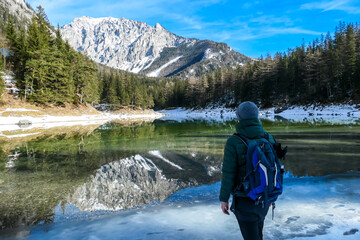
253, 28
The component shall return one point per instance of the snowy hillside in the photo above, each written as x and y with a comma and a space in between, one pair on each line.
137, 47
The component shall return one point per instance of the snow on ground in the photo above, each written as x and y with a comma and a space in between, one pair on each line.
321, 208
344, 113
156, 73
10, 83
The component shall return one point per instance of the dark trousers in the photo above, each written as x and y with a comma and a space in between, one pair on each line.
250, 217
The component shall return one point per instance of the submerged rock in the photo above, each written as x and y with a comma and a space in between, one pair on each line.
280, 110
24, 123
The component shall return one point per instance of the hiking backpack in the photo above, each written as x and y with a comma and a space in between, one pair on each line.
263, 181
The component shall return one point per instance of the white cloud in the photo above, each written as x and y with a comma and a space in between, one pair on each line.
246, 34
50, 5
260, 27
205, 3
341, 5
293, 30
270, 19
191, 22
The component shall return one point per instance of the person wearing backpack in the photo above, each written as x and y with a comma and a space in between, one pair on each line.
251, 172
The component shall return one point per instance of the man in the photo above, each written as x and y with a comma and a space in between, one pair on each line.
249, 216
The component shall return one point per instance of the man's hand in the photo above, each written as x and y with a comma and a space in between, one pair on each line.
225, 207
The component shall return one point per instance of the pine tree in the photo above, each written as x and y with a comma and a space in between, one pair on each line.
11, 32
350, 58
3, 46
20, 56
2, 82
86, 82
357, 66
47, 77
112, 97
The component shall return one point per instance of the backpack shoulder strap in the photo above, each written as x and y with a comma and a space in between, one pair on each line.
266, 136
243, 139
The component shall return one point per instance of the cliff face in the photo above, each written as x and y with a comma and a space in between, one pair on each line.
18, 8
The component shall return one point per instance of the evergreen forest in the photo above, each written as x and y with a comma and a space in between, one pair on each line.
49, 71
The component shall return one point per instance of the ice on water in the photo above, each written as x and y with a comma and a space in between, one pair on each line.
311, 208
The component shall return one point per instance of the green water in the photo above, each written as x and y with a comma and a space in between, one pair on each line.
48, 169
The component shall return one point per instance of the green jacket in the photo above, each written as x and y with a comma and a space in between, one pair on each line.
234, 163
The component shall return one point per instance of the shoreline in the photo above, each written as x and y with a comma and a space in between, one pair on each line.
18, 117
18, 124
21, 122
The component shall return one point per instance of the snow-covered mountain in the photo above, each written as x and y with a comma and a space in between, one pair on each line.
18, 8
137, 47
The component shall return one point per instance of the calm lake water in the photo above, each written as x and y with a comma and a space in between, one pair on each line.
96, 173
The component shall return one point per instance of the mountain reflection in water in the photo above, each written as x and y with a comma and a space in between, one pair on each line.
130, 182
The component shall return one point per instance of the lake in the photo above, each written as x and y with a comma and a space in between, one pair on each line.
160, 180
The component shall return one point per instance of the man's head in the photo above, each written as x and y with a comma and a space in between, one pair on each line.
247, 110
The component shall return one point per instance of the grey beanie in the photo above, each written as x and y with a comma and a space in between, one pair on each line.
247, 110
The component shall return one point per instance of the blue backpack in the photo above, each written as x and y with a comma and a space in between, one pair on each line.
263, 181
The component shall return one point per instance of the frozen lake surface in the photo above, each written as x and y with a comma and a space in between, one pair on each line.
161, 181
311, 208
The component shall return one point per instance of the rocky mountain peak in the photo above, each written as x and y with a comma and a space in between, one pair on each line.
140, 48
158, 26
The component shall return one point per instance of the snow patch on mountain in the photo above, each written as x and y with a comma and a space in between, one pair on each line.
156, 73
209, 54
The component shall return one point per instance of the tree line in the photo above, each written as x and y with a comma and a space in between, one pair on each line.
120, 88
324, 71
